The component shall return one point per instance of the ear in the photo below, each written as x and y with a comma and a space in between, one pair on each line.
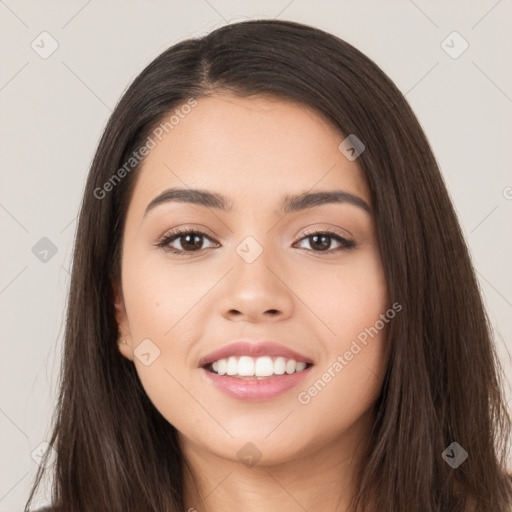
123, 324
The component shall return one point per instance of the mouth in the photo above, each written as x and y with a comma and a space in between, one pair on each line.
254, 371
256, 368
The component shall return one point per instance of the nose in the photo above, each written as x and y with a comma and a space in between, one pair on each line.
257, 291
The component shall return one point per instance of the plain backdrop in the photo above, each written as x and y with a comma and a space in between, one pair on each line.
54, 108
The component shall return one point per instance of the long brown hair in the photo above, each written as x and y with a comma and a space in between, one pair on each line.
443, 384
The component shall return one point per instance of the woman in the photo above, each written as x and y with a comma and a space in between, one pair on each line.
272, 304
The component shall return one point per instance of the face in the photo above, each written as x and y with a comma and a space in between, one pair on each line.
254, 265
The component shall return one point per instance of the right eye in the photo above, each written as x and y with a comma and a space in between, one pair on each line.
188, 239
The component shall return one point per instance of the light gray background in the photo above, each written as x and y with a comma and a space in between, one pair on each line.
54, 110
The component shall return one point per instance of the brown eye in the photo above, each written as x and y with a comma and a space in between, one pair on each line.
189, 240
192, 241
321, 241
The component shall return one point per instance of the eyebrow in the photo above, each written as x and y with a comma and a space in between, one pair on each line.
289, 204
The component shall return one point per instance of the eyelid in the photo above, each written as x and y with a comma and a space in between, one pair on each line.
347, 243
177, 233
324, 228
305, 233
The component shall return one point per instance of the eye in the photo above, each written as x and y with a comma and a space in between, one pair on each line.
322, 241
189, 240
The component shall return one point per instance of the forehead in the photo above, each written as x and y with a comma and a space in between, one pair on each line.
248, 149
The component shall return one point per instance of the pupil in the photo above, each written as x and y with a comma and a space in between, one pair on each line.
325, 244
321, 242
189, 243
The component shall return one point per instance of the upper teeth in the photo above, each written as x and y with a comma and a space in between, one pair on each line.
246, 366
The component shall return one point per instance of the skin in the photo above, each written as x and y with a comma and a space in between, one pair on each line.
254, 151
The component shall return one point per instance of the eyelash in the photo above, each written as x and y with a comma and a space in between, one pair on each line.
180, 232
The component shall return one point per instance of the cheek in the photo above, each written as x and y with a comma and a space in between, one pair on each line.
349, 378
348, 297
161, 316
163, 304
161, 297
339, 401
353, 303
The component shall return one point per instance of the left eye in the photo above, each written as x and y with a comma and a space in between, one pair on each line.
191, 241
323, 238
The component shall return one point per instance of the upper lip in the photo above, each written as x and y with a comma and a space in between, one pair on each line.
253, 349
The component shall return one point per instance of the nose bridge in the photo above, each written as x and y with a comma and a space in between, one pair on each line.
257, 239
253, 259
254, 284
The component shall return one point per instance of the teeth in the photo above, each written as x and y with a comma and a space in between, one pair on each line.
279, 365
245, 366
232, 366
264, 367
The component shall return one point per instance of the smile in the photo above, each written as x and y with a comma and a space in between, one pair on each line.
253, 387
246, 367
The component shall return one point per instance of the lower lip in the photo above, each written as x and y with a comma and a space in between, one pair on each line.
254, 390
